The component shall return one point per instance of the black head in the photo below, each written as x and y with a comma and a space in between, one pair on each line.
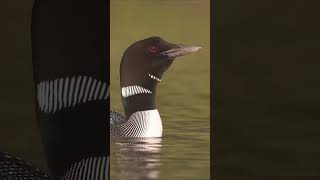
145, 61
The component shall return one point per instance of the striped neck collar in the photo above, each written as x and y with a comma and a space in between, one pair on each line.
68, 92
134, 90
154, 77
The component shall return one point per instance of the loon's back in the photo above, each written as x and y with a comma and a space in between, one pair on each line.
13, 168
116, 118
93, 168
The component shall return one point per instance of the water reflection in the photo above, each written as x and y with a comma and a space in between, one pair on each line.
135, 158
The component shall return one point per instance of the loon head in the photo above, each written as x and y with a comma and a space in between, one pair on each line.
145, 61
141, 69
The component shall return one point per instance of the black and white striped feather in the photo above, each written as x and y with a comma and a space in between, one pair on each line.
92, 168
53, 96
116, 118
14, 168
134, 90
140, 124
67, 92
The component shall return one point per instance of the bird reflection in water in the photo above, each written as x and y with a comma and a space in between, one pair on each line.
135, 158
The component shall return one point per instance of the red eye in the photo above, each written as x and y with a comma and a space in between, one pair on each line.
153, 49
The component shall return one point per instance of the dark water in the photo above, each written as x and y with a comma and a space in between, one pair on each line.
182, 97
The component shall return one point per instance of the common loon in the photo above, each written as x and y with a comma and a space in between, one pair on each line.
142, 67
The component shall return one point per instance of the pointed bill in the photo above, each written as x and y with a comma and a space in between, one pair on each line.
180, 50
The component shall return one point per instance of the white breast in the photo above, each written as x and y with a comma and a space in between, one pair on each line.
142, 124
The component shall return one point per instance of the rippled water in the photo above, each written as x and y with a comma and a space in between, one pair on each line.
182, 96
143, 156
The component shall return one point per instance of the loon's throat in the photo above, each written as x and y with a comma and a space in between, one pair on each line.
137, 98
142, 117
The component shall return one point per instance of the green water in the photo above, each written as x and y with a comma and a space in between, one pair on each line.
182, 96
